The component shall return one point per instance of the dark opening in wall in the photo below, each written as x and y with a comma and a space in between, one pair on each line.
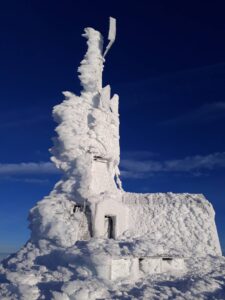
88, 215
140, 260
100, 159
110, 227
167, 258
77, 207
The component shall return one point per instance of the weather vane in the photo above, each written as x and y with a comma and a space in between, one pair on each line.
111, 35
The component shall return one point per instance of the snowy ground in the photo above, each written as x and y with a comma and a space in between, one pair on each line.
47, 272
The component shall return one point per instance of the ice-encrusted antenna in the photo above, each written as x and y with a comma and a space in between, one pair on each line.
111, 34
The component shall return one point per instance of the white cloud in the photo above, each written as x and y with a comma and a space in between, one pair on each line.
132, 168
28, 168
140, 164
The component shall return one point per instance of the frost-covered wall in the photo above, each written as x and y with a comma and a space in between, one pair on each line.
183, 224
111, 206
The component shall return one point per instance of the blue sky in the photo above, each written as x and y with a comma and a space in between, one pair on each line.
167, 65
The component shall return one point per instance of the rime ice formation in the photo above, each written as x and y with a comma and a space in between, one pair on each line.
89, 238
87, 151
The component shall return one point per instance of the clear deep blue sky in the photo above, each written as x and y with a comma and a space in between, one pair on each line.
167, 65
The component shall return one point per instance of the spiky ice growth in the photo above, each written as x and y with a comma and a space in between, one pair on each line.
91, 66
88, 127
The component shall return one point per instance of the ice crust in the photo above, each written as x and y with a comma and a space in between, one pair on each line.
173, 223
49, 272
68, 256
88, 126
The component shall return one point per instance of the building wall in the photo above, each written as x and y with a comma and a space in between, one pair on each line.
114, 208
181, 224
102, 179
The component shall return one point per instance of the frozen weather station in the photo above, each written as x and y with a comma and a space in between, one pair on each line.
92, 240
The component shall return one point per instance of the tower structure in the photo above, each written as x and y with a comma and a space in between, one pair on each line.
87, 149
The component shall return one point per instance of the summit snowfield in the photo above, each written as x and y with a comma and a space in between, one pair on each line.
60, 274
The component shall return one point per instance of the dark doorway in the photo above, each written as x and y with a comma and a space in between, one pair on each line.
109, 226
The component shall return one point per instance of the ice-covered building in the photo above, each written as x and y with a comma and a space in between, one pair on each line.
92, 240
89, 202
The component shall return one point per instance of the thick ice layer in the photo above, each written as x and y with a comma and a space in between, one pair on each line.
87, 151
177, 223
88, 129
92, 65
59, 221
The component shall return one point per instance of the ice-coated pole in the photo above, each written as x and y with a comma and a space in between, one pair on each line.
111, 34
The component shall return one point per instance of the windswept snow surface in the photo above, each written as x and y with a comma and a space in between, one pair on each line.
47, 272
181, 224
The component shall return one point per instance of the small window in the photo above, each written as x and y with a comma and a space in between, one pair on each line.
140, 261
167, 258
100, 159
77, 207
